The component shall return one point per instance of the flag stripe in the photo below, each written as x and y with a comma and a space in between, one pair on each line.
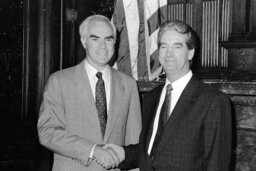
142, 59
156, 19
151, 6
123, 61
152, 42
155, 15
154, 62
132, 23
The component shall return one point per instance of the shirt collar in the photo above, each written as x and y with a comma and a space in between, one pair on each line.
181, 82
91, 71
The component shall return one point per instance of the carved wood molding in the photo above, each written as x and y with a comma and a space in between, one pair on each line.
234, 87
244, 100
237, 44
228, 87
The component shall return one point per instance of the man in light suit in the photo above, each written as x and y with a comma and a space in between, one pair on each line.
197, 133
68, 122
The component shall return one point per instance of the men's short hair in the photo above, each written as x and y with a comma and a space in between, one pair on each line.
179, 27
83, 28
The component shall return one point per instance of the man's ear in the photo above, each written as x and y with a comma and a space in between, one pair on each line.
191, 54
83, 42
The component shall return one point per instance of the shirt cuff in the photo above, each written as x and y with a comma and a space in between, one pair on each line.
91, 154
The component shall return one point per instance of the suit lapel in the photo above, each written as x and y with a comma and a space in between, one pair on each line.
151, 112
84, 94
181, 109
116, 94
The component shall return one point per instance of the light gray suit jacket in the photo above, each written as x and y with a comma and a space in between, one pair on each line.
68, 122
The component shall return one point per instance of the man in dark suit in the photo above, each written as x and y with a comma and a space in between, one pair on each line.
89, 104
186, 123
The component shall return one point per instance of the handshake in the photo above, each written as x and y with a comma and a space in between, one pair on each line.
108, 156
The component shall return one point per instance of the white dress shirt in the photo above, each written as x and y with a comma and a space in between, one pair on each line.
178, 87
91, 72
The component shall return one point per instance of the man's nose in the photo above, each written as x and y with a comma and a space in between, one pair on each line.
169, 52
103, 44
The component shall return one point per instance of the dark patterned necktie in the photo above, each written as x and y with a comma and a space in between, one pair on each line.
101, 105
163, 118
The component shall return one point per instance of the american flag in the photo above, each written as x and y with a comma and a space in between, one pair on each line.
137, 23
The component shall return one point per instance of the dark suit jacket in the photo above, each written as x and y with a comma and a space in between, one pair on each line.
197, 136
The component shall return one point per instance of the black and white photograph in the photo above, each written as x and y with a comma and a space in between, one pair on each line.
118, 85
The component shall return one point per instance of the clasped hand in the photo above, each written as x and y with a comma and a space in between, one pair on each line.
109, 156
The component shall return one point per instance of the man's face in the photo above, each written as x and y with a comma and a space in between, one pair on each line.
99, 44
174, 54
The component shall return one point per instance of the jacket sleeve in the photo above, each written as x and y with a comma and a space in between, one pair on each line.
218, 134
131, 157
134, 123
52, 126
